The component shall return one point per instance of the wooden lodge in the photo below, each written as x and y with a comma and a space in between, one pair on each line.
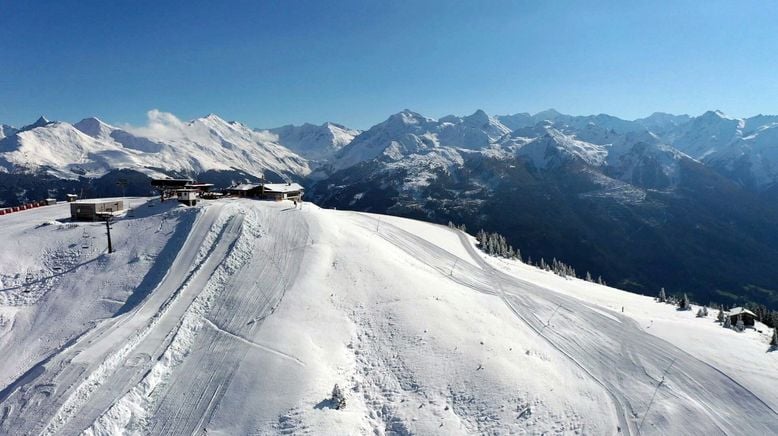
749, 318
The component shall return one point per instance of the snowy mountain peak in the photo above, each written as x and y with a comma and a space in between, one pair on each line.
715, 115
210, 120
94, 127
478, 116
548, 114
314, 142
408, 117
40, 122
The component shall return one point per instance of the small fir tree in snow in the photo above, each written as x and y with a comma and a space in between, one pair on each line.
704, 311
727, 322
588, 277
338, 398
720, 317
699, 313
774, 341
684, 303
662, 296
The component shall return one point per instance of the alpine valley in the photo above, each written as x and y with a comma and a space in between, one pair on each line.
686, 203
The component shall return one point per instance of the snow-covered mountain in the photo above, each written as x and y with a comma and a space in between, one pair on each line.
317, 143
239, 317
409, 133
6, 130
91, 148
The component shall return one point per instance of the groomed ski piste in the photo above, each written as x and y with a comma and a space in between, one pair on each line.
239, 316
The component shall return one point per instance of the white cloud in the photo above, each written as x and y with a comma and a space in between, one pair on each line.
160, 125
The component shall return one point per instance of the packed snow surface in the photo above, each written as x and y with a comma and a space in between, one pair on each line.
239, 317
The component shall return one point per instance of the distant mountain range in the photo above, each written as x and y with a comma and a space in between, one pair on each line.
668, 200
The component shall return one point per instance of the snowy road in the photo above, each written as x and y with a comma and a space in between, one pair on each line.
656, 387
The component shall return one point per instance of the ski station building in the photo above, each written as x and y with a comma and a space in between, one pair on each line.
95, 209
268, 191
185, 190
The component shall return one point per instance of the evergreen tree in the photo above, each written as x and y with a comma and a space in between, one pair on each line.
588, 277
774, 341
727, 322
338, 398
662, 296
704, 311
684, 303
720, 317
699, 313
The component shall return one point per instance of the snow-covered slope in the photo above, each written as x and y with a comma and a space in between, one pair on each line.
314, 142
238, 317
92, 148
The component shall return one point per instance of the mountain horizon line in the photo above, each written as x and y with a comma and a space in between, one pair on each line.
550, 112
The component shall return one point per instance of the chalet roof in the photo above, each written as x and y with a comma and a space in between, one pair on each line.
97, 200
283, 187
244, 187
170, 182
740, 311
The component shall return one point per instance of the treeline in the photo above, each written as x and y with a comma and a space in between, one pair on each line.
495, 244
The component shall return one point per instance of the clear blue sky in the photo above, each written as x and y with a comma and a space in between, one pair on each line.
356, 62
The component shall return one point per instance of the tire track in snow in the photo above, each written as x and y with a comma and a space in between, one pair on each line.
252, 294
97, 376
190, 391
271, 350
696, 380
132, 408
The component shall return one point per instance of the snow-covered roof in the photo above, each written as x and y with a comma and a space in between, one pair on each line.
244, 187
740, 311
283, 187
97, 200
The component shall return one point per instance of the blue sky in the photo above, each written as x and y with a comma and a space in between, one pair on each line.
268, 63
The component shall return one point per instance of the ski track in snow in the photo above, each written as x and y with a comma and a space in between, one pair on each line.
619, 355
165, 365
